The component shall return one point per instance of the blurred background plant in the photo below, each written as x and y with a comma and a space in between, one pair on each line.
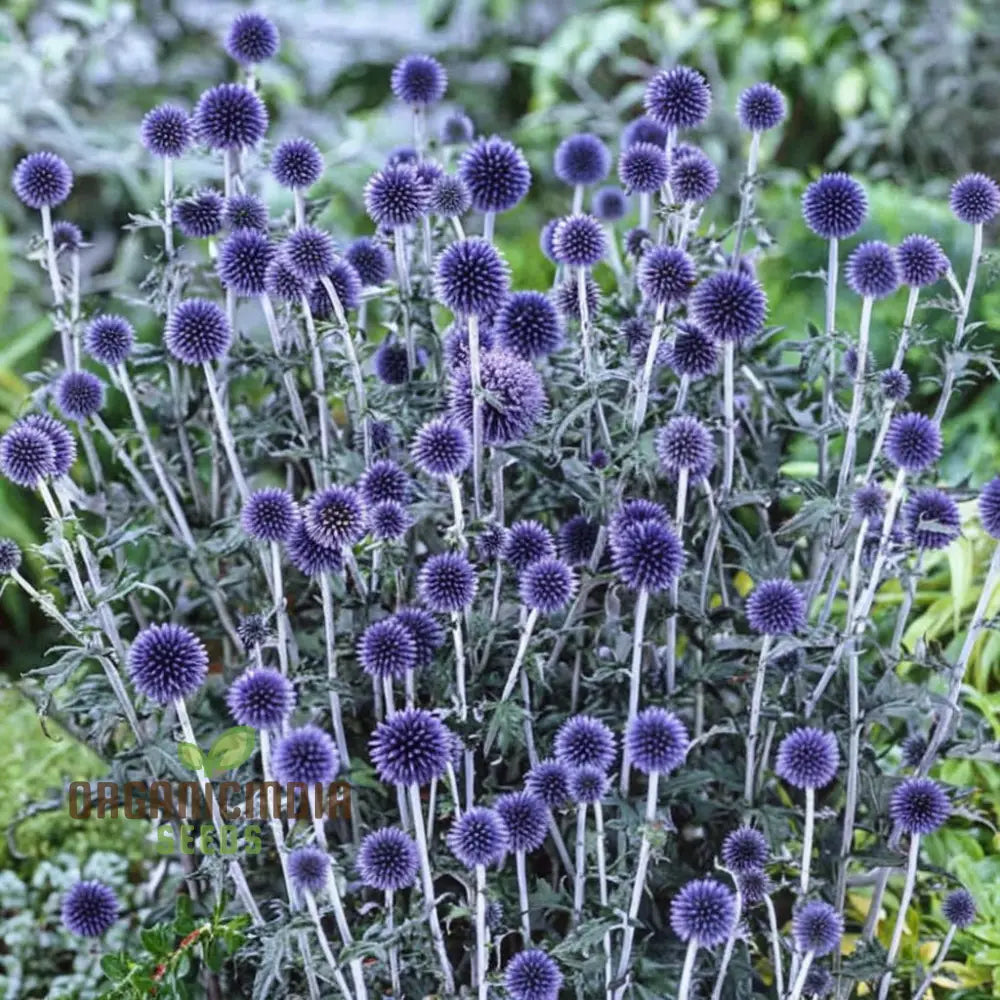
901, 92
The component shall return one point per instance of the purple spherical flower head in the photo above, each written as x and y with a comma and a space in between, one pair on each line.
609, 203
684, 444
245, 211
693, 352
410, 748
261, 698
656, 741
528, 325
644, 129
583, 741
525, 542
666, 275
10, 556
637, 333
441, 449
919, 806
198, 332
587, 785
305, 755
819, 982
402, 156
396, 196
975, 199
744, 850
496, 174
167, 662
388, 860
243, 261
66, 236
418, 80
387, 649
27, 455
817, 927
920, 260
678, 98
869, 502
252, 630
546, 585
514, 399
309, 252
834, 206
447, 582
525, 819
79, 395
388, 521
62, 441
599, 459
532, 975
166, 131
932, 519
457, 129
567, 297
428, 636
450, 197
637, 240
729, 305
200, 216
346, 286
693, 178
808, 758
252, 38
581, 159
456, 343
576, 539
872, 270
429, 173
776, 607
230, 116
760, 107
335, 517
269, 515
546, 237
42, 180
370, 259
549, 781
471, 278
491, 541
635, 512
647, 556
913, 442
643, 168
913, 750
895, 384
754, 887
989, 508
309, 869
297, 163
959, 908
89, 908
384, 480
703, 911
311, 558
282, 283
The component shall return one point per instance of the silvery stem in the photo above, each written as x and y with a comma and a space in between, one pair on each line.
581, 291
489, 222
727, 952
393, 948
868, 597
580, 867
853, 757
645, 212
425, 223
807, 840
522, 650
875, 906
225, 433
602, 882
746, 198
455, 489
311, 981
646, 374
278, 591
299, 207
911, 310
729, 413
682, 489
45, 602
476, 383
906, 605
324, 945
833, 263
577, 199
772, 920
427, 882
456, 633
756, 702
557, 838
287, 376
178, 396
635, 678
850, 440
939, 957
53, 268
227, 173
483, 983
168, 206
904, 905
800, 979
522, 895
688, 970
319, 388
357, 973
883, 429
526, 723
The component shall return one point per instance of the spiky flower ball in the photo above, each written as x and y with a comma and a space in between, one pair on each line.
311, 558
869, 502
496, 174
975, 199
418, 80
410, 748
528, 325
643, 167
989, 507
297, 163
635, 512
644, 129
89, 908
252, 630
388, 860
456, 343
913, 749
666, 275
62, 441
270, 515
450, 197
576, 539
817, 927
370, 259
959, 908
532, 975
514, 398
490, 542
261, 698
872, 270
335, 517
549, 781
895, 384
566, 297
395, 196
441, 449
66, 236
525, 542
447, 582
384, 480
27, 455
588, 785
703, 911
200, 216
920, 260
744, 850
428, 636
678, 98
684, 444
457, 129
245, 211
166, 131
583, 741
388, 520
305, 755
198, 332
609, 204
309, 252
79, 395
834, 206
729, 305
693, 177
808, 758
230, 116
913, 442
387, 649
647, 556
546, 585
656, 741
693, 352
42, 180
919, 806
244, 258
776, 607
754, 887
525, 819
10, 556
471, 278
252, 38
282, 283
581, 159
760, 107
309, 869
167, 662
932, 519
819, 982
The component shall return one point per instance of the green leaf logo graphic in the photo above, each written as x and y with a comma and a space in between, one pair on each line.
231, 749
190, 756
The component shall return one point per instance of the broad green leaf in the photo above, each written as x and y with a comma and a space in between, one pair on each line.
190, 756
232, 748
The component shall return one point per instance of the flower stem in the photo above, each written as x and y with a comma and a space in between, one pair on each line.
522, 895
225, 433
729, 416
727, 952
522, 649
850, 439
688, 969
481, 964
476, 383
324, 945
904, 905
939, 957
756, 702
833, 263
800, 979
602, 883
772, 920
646, 374
746, 198
580, 867
635, 678
168, 206
807, 840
